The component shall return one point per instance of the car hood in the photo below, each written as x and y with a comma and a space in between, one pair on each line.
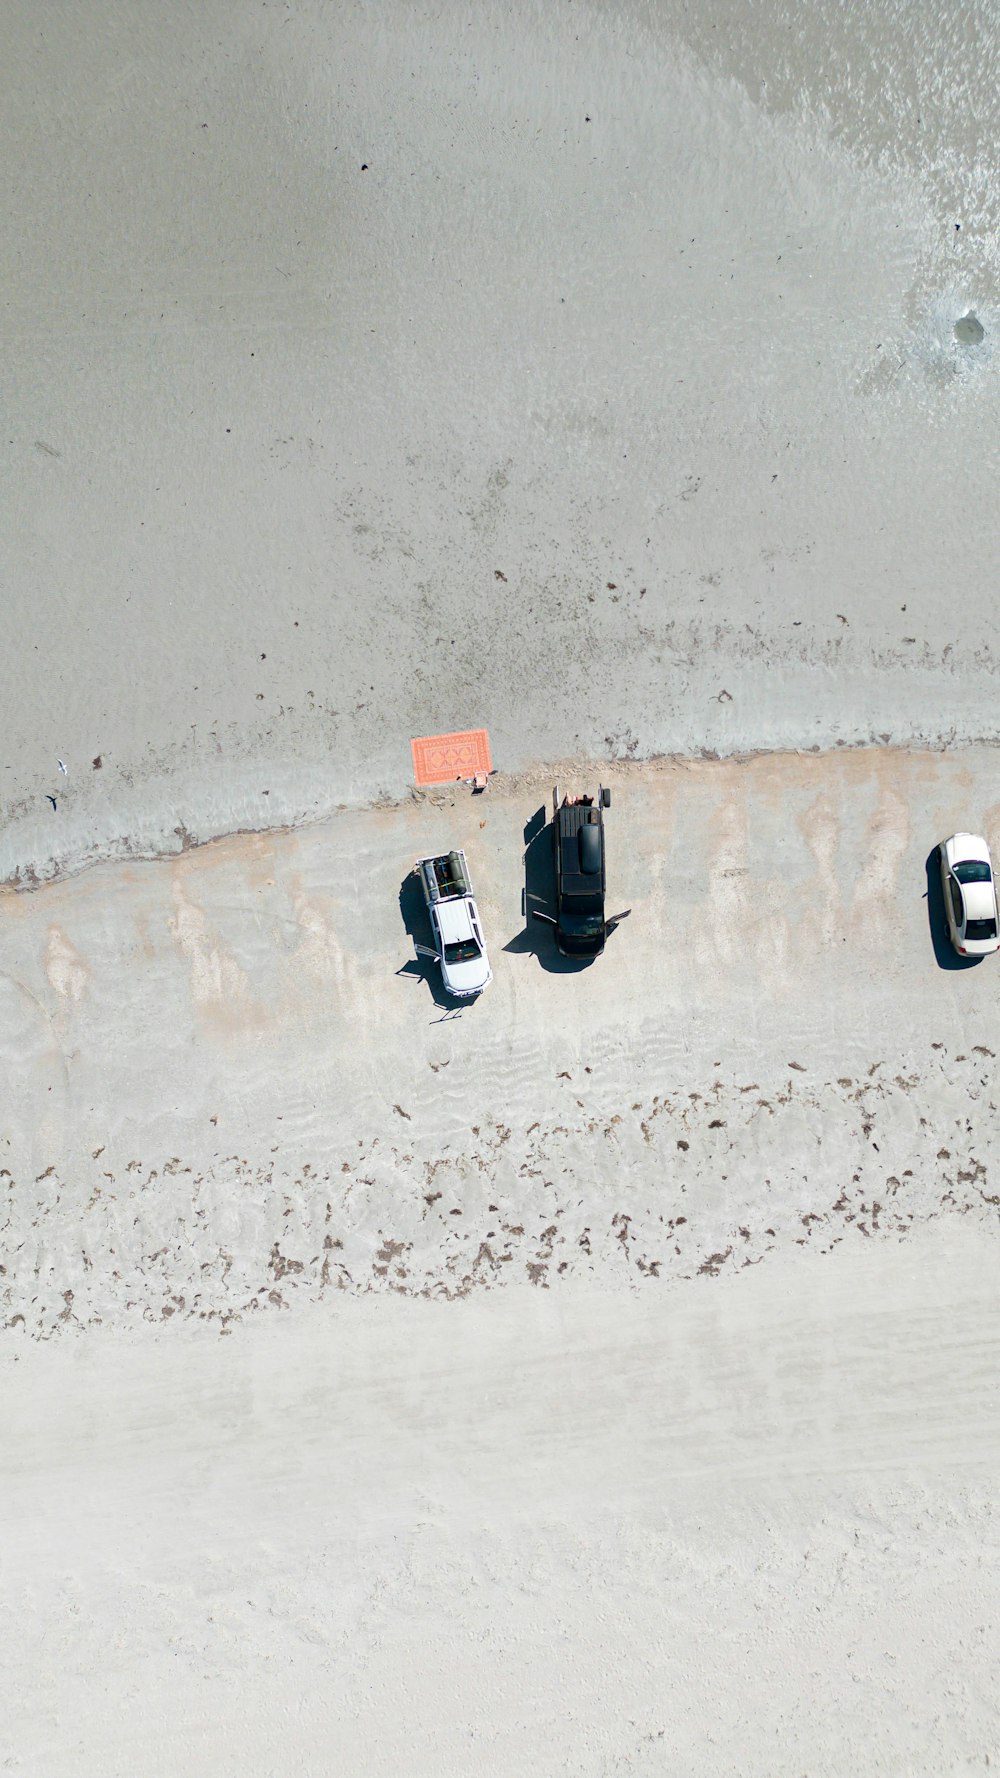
467, 978
967, 845
573, 946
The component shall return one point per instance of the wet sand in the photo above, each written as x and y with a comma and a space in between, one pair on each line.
588, 375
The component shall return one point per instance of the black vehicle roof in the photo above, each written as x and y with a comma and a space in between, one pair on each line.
580, 839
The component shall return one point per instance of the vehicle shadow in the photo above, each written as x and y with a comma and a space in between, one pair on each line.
536, 936
945, 955
413, 912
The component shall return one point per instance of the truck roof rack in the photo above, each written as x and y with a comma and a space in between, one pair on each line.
445, 876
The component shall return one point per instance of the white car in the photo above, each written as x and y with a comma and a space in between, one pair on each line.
970, 895
465, 967
459, 946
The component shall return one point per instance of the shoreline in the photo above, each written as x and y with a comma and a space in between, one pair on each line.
21, 875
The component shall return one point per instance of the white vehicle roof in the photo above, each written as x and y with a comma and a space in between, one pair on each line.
454, 920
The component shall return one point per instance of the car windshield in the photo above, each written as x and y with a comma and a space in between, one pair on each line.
981, 929
589, 925
973, 870
465, 951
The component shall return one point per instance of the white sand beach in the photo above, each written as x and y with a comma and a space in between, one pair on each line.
599, 1380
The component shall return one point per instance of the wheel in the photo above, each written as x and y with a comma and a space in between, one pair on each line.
605, 797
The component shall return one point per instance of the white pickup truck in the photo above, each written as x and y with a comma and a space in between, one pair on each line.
459, 946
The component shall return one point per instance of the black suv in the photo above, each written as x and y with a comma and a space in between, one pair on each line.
581, 876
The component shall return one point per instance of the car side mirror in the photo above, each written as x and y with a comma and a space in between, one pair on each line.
535, 915
425, 951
